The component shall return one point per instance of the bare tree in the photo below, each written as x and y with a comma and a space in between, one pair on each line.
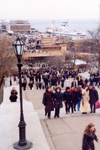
7, 57
56, 62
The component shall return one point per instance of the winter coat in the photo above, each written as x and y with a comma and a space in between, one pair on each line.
86, 81
62, 82
58, 101
73, 84
67, 96
88, 141
14, 92
30, 85
91, 80
48, 101
96, 79
53, 80
85, 106
13, 97
79, 78
46, 80
67, 82
93, 96
74, 96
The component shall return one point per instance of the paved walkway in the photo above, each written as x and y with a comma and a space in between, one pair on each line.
67, 131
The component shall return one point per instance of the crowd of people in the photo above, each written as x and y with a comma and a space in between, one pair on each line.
76, 94
79, 95
83, 99
42, 78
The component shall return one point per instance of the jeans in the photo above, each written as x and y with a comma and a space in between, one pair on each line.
92, 107
78, 106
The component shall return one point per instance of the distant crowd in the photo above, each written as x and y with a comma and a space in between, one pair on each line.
79, 95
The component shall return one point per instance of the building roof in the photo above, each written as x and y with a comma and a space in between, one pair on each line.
42, 54
79, 62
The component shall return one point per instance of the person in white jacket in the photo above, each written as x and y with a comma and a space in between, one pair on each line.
67, 82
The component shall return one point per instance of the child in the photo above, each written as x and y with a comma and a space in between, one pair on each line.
43, 85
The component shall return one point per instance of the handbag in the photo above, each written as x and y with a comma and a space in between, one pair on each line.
97, 105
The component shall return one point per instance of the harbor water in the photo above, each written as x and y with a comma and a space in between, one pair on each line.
83, 25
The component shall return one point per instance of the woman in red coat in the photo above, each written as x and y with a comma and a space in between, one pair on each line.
48, 102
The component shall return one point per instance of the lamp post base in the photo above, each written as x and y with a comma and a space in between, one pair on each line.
17, 146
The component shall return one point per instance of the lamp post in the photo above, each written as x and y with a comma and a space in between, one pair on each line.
22, 144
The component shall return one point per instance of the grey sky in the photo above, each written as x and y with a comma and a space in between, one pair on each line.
49, 9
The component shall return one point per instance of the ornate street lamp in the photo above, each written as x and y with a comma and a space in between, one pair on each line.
22, 144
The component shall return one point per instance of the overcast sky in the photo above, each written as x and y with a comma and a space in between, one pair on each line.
49, 9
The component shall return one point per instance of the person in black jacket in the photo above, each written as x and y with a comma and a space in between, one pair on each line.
86, 81
13, 96
73, 84
48, 102
89, 137
46, 81
67, 98
93, 98
53, 80
96, 79
62, 82
91, 80
58, 98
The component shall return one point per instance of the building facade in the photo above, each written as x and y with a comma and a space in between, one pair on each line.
20, 26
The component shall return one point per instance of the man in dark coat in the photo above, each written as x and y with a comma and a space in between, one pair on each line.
53, 80
48, 102
46, 81
96, 79
62, 82
58, 98
86, 81
73, 84
58, 79
91, 80
93, 98
67, 98
36, 77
